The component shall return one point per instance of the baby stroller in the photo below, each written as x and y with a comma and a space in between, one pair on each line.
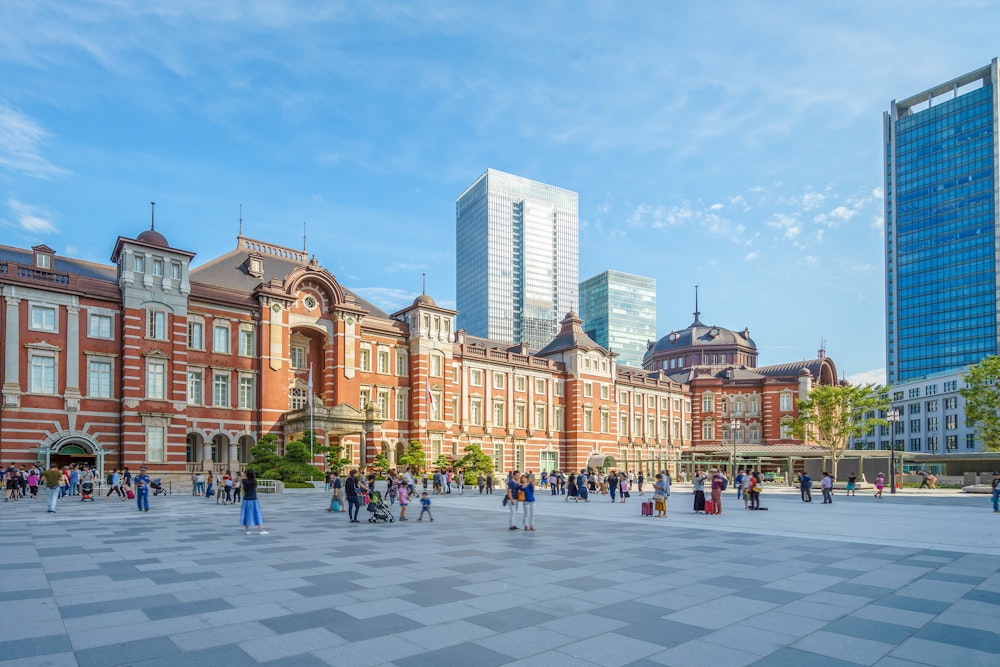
157, 487
379, 510
87, 491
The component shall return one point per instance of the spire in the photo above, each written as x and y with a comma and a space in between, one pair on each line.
241, 219
424, 291
304, 252
152, 215
697, 321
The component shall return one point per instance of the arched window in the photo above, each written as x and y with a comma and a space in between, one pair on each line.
707, 402
708, 430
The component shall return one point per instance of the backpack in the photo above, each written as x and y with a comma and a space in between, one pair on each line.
110, 478
725, 483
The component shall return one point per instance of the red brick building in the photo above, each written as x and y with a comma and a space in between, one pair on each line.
148, 361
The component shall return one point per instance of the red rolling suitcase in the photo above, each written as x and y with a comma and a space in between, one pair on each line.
647, 508
709, 507
130, 493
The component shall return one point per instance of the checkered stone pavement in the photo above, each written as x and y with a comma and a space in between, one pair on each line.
102, 584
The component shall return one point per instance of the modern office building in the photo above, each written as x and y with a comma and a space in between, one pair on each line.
619, 312
516, 258
941, 198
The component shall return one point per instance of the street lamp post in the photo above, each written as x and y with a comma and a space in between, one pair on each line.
892, 416
732, 432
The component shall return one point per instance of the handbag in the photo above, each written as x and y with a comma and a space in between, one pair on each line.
505, 499
520, 495
758, 488
658, 497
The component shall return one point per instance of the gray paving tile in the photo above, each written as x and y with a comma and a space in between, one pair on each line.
979, 640
911, 604
470, 654
34, 647
790, 657
979, 595
127, 653
179, 609
507, 620
633, 612
662, 631
853, 626
216, 655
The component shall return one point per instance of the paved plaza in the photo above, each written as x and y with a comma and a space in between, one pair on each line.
911, 579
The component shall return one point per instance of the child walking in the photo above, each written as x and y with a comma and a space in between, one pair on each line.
404, 500
425, 506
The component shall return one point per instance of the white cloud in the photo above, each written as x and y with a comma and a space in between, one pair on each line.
389, 299
751, 256
878, 193
20, 145
34, 219
811, 200
874, 376
717, 207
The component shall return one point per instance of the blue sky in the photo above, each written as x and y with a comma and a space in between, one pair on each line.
732, 145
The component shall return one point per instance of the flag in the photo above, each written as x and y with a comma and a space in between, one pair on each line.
430, 401
310, 387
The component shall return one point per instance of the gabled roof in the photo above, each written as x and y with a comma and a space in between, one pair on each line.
571, 336
61, 264
792, 369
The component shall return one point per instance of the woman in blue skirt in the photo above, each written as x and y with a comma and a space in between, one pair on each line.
250, 512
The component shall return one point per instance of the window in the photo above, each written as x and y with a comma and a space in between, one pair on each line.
970, 440
915, 444
246, 342
605, 391
436, 404
915, 392
175, 270
930, 390
99, 326
498, 413
605, 421
932, 406
155, 440
43, 261
139, 263
540, 417
707, 402
951, 385
914, 408
196, 335
476, 377
708, 430
786, 430
297, 356
951, 403
220, 390
951, 422
951, 442
476, 412
402, 367
588, 419
737, 406
932, 443
914, 426
401, 405
43, 318
519, 415
42, 379
454, 373
436, 364
297, 398
256, 265
519, 383
637, 426
623, 397
365, 359
588, 389
382, 362
246, 392
539, 386
156, 379
99, 378
786, 401
754, 405
559, 388
382, 404
195, 393
897, 396
220, 339
677, 405
650, 401
558, 418
157, 267
156, 324
623, 423
498, 380
932, 424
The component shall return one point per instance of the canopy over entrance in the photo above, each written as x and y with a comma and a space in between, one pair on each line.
601, 461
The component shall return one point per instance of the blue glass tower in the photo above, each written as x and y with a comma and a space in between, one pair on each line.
941, 249
619, 313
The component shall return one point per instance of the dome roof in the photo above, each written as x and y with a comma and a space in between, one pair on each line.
153, 237
700, 335
424, 300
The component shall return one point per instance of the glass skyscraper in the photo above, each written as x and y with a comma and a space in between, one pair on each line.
941, 198
517, 246
619, 312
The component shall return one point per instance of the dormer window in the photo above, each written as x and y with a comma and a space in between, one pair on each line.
255, 267
43, 261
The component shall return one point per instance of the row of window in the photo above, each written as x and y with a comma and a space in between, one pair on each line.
156, 265
786, 403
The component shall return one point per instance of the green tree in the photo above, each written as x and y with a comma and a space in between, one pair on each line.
475, 462
381, 463
414, 457
982, 401
295, 466
264, 457
442, 462
834, 415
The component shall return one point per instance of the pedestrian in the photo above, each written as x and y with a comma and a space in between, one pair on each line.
571, 489
660, 496
220, 491
114, 485
460, 481
753, 487
852, 483
338, 503
33, 482
996, 492
227, 483
526, 496
391, 487
52, 477
805, 487
639, 480
74, 480
699, 490
199, 483
142, 490
210, 491
64, 483
925, 482
425, 507
718, 481
879, 484
581, 487
612, 484
489, 484
511, 500
250, 514
404, 500
237, 488
327, 480
826, 486
352, 489
623, 487
738, 481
